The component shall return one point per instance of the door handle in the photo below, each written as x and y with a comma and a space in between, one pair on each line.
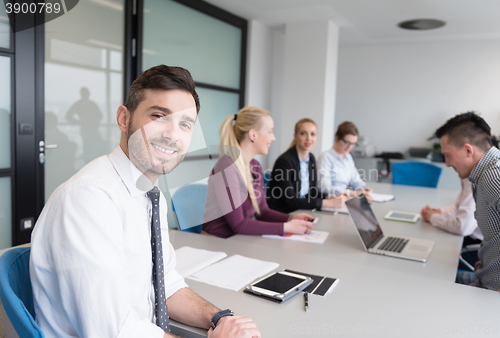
44, 146
41, 147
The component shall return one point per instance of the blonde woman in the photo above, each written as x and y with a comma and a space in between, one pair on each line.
236, 203
293, 183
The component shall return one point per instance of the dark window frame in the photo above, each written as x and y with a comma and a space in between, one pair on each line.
134, 30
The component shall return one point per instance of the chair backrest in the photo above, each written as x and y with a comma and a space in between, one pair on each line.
188, 203
267, 178
416, 173
16, 293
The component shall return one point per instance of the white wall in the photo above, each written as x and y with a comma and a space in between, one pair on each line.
310, 78
277, 73
269, 51
259, 68
398, 95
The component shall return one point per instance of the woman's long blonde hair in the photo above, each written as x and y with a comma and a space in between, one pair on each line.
231, 136
297, 127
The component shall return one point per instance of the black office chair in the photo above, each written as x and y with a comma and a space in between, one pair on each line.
468, 257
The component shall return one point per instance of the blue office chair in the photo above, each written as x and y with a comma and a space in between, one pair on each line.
416, 173
16, 293
267, 178
188, 203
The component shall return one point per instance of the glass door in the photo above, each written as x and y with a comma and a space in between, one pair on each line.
83, 87
6, 117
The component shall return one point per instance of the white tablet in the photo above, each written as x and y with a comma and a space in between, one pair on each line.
279, 286
402, 216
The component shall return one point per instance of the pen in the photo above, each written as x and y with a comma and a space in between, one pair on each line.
306, 301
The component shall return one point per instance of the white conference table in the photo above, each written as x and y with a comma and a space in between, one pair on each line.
376, 296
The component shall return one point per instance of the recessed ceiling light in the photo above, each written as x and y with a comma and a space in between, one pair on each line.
421, 24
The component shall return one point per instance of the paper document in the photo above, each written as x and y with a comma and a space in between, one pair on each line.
312, 237
380, 198
191, 260
337, 210
234, 273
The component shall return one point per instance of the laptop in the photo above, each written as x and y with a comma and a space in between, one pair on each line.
376, 242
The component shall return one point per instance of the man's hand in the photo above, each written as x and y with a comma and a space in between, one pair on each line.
234, 327
427, 212
477, 265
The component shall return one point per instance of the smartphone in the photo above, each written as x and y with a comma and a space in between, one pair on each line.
279, 286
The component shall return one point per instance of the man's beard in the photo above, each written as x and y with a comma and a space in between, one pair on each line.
143, 157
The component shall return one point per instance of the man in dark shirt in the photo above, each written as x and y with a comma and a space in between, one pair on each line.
466, 146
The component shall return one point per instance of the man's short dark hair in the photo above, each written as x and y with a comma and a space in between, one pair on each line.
164, 78
467, 128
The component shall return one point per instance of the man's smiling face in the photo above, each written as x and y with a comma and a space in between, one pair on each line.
159, 131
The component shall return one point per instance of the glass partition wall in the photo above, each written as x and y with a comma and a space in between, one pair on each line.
211, 44
83, 87
81, 66
6, 118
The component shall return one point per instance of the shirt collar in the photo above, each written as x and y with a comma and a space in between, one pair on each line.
493, 154
336, 155
306, 161
135, 181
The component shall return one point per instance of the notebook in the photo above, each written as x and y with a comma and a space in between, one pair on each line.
320, 286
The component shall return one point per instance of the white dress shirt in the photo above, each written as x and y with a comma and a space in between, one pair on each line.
304, 176
91, 265
336, 174
459, 217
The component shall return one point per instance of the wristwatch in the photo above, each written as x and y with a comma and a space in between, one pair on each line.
219, 315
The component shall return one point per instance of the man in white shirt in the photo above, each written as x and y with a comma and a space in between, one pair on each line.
457, 218
92, 259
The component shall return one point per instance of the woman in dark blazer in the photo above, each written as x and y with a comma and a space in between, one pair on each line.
293, 182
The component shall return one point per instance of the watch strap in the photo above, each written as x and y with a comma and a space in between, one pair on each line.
219, 315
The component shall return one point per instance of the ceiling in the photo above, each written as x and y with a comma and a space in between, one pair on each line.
364, 22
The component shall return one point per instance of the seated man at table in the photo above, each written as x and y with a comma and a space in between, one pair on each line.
466, 146
98, 265
458, 219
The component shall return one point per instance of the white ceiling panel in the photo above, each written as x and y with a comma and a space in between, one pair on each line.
375, 21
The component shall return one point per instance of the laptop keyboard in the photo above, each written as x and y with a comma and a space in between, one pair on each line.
393, 244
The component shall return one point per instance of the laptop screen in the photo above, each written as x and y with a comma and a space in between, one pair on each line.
364, 220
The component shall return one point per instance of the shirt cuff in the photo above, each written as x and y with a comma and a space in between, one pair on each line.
435, 219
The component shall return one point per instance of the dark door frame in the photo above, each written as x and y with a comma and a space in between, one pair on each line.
27, 129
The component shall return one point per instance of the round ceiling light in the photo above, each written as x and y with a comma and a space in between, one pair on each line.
421, 24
